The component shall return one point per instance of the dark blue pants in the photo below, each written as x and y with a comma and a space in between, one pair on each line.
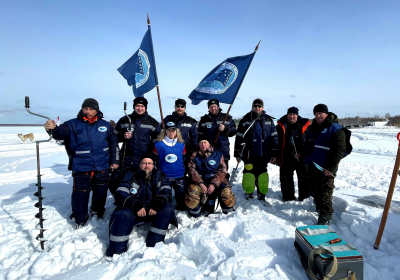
179, 186
123, 220
83, 183
210, 206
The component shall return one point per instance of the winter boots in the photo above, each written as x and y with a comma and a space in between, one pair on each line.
324, 219
81, 224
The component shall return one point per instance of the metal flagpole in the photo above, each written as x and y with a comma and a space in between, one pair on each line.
389, 197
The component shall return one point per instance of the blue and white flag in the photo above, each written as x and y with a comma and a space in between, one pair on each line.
140, 70
224, 81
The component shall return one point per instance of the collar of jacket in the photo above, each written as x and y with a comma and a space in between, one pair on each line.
136, 116
254, 115
177, 117
80, 115
330, 119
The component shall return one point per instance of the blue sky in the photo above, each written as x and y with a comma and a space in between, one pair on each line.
341, 53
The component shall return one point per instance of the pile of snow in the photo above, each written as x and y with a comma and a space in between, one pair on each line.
255, 241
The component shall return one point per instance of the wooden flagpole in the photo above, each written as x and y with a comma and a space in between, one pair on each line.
389, 197
158, 90
230, 106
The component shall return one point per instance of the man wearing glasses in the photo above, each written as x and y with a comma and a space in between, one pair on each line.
186, 124
143, 196
256, 144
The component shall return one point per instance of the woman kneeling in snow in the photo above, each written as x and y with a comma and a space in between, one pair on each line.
170, 152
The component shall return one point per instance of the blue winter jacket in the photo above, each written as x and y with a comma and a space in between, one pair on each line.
89, 146
208, 130
269, 137
188, 128
144, 134
135, 192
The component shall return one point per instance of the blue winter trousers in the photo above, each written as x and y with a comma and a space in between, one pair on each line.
123, 220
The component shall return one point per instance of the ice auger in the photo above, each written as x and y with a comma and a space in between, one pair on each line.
39, 204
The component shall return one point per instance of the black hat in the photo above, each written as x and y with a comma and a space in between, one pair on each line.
147, 155
258, 101
213, 101
169, 125
293, 110
140, 100
92, 103
180, 102
322, 108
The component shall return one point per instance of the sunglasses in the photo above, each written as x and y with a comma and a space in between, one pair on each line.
179, 106
257, 106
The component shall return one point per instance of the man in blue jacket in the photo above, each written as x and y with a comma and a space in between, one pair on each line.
186, 125
209, 126
137, 142
144, 195
92, 149
257, 145
326, 144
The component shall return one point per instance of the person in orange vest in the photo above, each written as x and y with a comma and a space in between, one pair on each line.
291, 128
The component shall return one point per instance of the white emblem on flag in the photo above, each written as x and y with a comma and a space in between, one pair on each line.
143, 65
220, 80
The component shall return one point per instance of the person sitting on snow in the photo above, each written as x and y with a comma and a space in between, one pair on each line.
143, 196
92, 149
170, 153
207, 171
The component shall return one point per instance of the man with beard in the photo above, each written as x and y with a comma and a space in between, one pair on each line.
144, 195
256, 144
137, 142
291, 128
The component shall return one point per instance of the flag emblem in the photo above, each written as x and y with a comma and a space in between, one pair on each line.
219, 81
142, 69
171, 158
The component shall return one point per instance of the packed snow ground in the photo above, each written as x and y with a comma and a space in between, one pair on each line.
253, 242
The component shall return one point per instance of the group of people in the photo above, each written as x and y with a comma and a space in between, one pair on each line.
191, 160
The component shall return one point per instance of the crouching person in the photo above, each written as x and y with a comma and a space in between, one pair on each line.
207, 171
142, 196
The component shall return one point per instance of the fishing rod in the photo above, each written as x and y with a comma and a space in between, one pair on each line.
39, 204
126, 142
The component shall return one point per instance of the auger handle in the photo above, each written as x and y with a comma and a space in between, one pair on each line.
26, 101
124, 106
398, 138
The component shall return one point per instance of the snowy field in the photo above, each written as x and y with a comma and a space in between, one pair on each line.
255, 242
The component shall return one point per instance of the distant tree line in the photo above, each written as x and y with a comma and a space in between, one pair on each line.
357, 120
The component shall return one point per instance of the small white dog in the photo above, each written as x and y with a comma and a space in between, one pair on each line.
25, 137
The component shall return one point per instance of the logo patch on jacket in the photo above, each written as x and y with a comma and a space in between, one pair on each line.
325, 130
212, 162
102, 129
133, 191
209, 125
171, 158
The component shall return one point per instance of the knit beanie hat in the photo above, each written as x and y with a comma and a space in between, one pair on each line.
180, 102
212, 101
92, 103
322, 108
293, 110
140, 100
258, 101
